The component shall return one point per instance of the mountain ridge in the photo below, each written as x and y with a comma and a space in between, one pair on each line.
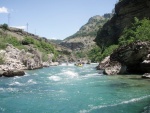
84, 37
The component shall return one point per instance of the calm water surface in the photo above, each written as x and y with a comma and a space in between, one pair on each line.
70, 89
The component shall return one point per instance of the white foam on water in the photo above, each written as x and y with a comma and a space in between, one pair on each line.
61, 91
16, 77
104, 106
54, 78
34, 74
135, 99
42, 72
2, 109
31, 81
16, 83
91, 75
8, 89
26, 74
11, 89
1, 89
65, 64
71, 74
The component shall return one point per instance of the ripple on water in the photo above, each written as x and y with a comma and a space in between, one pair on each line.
112, 105
54, 78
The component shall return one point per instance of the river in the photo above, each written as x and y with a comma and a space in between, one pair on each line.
70, 89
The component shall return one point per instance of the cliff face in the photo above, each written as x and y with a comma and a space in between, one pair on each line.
132, 58
125, 11
86, 34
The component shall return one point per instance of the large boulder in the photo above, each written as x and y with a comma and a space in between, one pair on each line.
104, 63
134, 56
12, 73
111, 67
15, 59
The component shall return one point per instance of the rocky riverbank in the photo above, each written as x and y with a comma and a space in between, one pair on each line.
133, 58
15, 61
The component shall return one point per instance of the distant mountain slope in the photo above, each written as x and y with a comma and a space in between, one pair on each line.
24, 40
56, 41
86, 34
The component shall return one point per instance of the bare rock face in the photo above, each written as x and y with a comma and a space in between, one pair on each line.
134, 56
83, 39
104, 63
145, 65
111, 67
73, 45
16, 59
32, 59
125, 11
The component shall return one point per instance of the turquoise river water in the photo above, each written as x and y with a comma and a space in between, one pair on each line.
70, 89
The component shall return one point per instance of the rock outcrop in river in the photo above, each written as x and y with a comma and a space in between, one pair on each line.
132, 58
16, 60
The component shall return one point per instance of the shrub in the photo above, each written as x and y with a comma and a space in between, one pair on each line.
1, 60
96, 54
139, 30
80, 54
27, 41
41, 45
5, 27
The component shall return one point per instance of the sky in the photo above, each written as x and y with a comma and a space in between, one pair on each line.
53, 19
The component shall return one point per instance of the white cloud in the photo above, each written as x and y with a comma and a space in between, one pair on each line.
20, 27
3, 10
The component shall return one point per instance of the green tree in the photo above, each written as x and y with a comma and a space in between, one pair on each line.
5, 27
139, 30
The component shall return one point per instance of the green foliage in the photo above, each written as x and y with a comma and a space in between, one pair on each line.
8, 39
27, 41
13, 41
108, 51
1, 60
96, 54
42, 46
80, 54
2, 45
4, 27
44, 57
139, 30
